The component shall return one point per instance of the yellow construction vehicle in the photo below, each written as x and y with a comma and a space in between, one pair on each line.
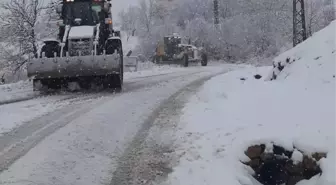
172, 51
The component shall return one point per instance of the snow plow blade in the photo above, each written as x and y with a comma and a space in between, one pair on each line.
85, 71
93, 65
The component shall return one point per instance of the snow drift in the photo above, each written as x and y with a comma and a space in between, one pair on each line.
314, 51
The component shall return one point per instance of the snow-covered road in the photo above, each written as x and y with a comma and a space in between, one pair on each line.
79, 139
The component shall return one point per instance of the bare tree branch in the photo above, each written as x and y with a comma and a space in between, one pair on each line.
18, 21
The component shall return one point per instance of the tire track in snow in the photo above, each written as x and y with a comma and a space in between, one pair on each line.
139, 151
68, 96
18, 142
73, 96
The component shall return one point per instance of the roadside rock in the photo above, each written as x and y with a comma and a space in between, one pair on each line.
278, 167
255, 151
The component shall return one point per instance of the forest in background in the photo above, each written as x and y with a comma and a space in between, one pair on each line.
247, 28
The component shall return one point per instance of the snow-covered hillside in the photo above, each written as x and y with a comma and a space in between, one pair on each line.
310, 54
234, 111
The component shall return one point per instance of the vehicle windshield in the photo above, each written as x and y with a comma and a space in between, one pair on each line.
86, 12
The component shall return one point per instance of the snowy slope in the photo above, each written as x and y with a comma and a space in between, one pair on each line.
234, 111
320, 47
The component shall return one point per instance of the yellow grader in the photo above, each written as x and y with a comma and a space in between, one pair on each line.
172, 51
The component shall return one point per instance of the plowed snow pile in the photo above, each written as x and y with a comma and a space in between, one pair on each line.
234, 111
16, 91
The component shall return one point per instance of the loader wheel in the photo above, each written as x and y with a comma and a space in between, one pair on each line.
38, 85
49, 49
204, 61
46, 86
115, 81
158, 59
186, 60
119, 78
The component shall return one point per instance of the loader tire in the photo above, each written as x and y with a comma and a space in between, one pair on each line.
119, 78
185, 60
119, 81
49, 49
38, 85
204, 61
46, 86
116, 80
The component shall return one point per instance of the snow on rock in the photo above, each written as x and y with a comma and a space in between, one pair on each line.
269, 148
297, 157
229, 114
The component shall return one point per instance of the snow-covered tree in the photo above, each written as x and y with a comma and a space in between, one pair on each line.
18, 34
47, 26
319, 14
129, 20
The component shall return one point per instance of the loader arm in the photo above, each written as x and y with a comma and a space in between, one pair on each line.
64, 40
96, 41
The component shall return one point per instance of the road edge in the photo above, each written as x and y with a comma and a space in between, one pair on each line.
145, 150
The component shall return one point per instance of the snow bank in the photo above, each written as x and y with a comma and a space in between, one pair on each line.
229, 114
234, 111
319, 47
16, 91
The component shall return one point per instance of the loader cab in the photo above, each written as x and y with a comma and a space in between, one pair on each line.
94, 13
171, 45
82, 12
85, 13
